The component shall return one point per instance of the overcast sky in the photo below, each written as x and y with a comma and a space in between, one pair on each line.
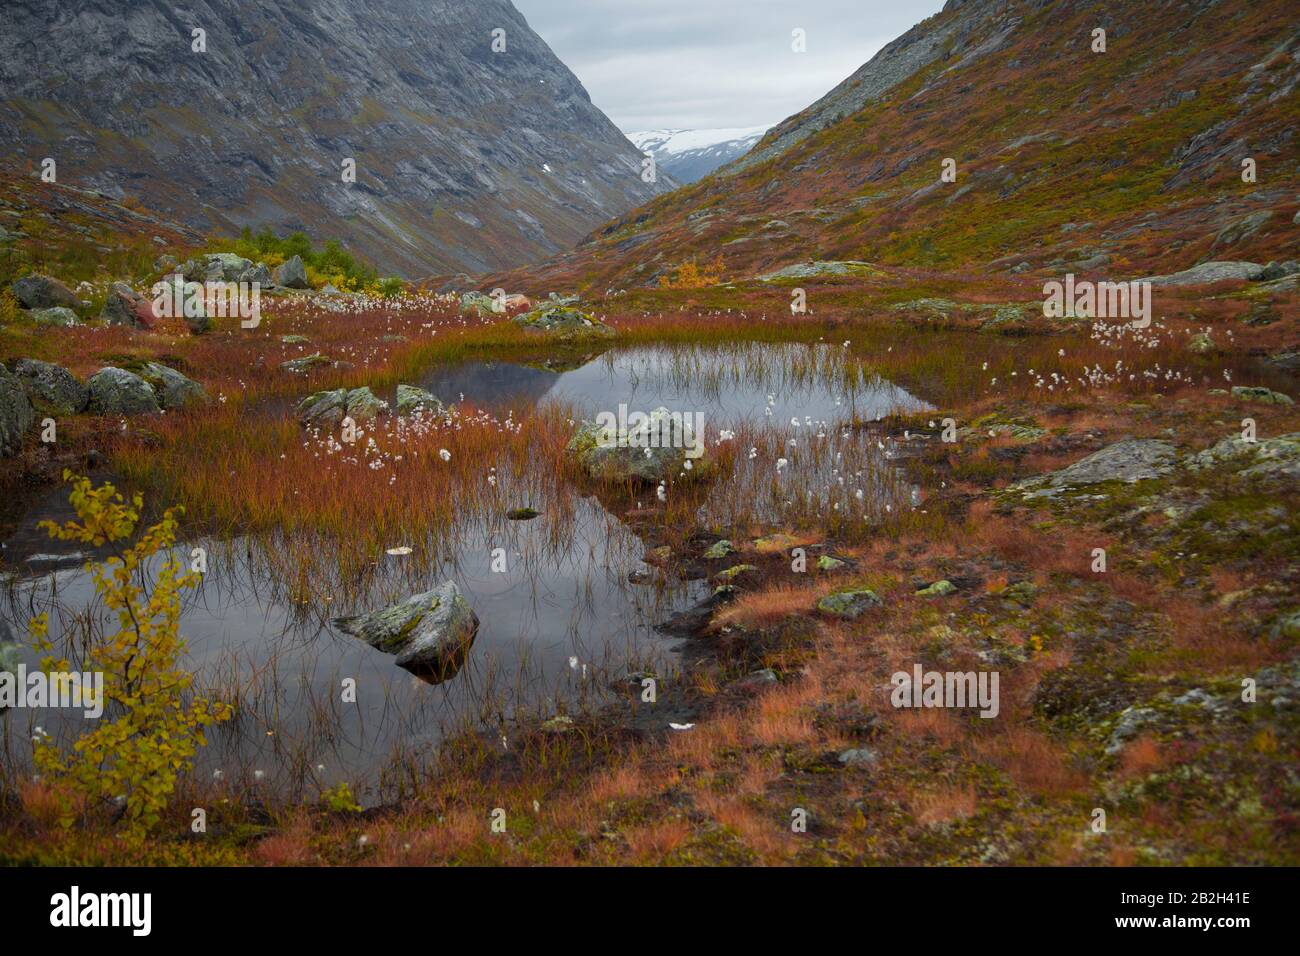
699, 64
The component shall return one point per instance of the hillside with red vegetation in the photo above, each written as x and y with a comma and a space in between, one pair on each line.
1123, 163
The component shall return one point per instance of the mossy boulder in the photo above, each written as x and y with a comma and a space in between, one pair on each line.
849, 603
115, 391
659, 447
476, 303
430, 633
305, 364
1266, 395
173, 389
937, 589
328, 408
16, 412
719, 550
59, 316
564, 324
412, 399
52, 389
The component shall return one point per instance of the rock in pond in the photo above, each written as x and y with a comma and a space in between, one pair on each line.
563, 323
430, 633
52, 389
659, 447
115, 391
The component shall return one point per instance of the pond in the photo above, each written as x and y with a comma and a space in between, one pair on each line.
558, 626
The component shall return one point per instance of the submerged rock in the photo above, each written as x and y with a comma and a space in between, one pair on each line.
563, 323
115, 391
430, 633
16, 412
52, 389
850, 603
522, 514
652, 451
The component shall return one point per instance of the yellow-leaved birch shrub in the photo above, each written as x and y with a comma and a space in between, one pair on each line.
149, 731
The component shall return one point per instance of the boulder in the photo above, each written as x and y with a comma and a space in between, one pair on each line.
563, 323
1279, 270
125, 306
1258, 394
1136, 459
259, 274
431, 633
849, 604
411, 399
115, 391
172, 388
476, 303
1208, 272
52, 389
628, 454
330, 407
59, 315
16, 412
216, 267
292, 274
305, 364
41, 292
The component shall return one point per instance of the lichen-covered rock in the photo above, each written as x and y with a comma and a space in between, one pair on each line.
820, 269
258, 274
115, 391
730, 574
1208, 272
564, 324
42, 292
719, 549
849, 604
52, 389
16, 412
1135, 459
305, 364
430, 633
216, 267
292, 274
646, 452
937, 589
1258, 394
58, 315
1268, 457
476, 303
827, 563
173, 389
330, 407
412, 399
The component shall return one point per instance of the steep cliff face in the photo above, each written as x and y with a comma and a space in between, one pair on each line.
1063, 156
466, 158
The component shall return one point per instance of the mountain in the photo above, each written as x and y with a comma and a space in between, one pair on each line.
691, 154
466, 159
1128, 160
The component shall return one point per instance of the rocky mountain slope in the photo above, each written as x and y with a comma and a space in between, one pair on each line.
691, 154
466, 159
1124, 162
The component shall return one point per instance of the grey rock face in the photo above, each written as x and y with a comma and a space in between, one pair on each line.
16, 413
115, 391
41, 292
1136, 459
291, 274
430, 633
411, 89
52, 389
1208, 272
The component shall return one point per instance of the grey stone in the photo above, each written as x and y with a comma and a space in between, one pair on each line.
292, 274
1208, 272
16, 412
115, 391
53, 390
173, 389
38, 291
